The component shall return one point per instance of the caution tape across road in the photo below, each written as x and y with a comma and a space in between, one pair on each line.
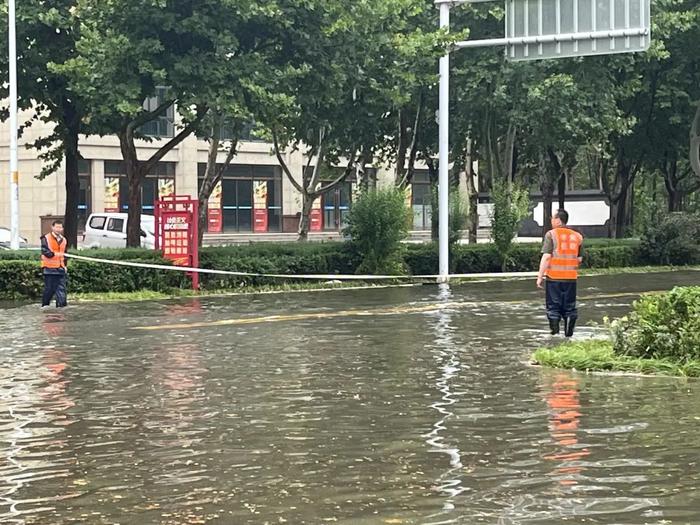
312, 277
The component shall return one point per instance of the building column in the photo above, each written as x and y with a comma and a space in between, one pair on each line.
186, 169
97, 183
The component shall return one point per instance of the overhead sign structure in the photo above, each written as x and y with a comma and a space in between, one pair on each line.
576, 27
535, 30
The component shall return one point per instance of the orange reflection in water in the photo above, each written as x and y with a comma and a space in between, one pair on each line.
563, 399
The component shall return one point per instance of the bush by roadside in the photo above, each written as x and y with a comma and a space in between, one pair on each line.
674, 240
660, 335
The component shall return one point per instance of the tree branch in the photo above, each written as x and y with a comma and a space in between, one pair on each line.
282, 162
346, 172
149, 164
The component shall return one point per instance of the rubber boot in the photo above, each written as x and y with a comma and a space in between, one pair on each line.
554, 326
569, 325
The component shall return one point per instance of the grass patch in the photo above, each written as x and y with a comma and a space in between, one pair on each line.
598, 355
174, 293
637, 270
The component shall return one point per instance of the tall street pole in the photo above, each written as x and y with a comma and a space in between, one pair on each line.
14, 174
444, 143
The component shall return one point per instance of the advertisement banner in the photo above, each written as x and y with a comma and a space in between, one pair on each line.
215, 223
260, 206
316, 218
166, 188
111, 202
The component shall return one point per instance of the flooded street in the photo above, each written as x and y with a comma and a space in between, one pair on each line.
348, 407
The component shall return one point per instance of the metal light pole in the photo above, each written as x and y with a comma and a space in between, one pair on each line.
444, 158
14, 175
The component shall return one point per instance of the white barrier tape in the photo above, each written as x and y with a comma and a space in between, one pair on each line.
320, 277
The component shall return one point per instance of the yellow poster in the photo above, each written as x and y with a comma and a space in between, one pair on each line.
111, 202
409, 196
260, 194
166, 188
215, 197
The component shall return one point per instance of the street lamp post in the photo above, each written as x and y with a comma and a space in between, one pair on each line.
444, 158
14, 174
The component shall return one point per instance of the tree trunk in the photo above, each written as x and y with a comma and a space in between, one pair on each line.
433, 176
675, 201
672, 183
136, 170
134, 177
305, 219
472, 194
561, 190
619, 216
695, 143
201, 220
70, 217
547, 189
402, 151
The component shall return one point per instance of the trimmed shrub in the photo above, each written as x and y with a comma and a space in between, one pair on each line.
665, 326
674, 240
510, 207
377, 223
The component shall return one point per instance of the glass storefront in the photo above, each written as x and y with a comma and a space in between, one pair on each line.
250, 199
336, 206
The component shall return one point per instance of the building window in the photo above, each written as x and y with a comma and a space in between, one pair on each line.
163, 125
421, 200
249, 200
336, 203
159, 183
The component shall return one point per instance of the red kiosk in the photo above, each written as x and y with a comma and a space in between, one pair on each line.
177, 219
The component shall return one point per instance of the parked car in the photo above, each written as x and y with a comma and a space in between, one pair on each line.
6, 237
108, 230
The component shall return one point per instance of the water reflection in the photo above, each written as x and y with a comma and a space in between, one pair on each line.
447, 360
562, 394
35, 407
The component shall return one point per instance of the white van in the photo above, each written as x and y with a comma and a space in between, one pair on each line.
108, 230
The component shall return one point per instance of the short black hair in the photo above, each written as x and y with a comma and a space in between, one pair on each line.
563, 216
57, 221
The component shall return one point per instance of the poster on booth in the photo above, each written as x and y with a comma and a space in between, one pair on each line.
214, 216
176, 239
260, 206
166, 188
111, 199
316, 218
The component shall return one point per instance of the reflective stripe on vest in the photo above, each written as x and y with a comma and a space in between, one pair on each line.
58, 260
563, 266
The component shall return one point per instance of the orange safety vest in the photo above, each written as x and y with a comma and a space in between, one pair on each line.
58, 249
563, 266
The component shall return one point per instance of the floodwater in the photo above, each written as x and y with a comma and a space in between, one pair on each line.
347, 407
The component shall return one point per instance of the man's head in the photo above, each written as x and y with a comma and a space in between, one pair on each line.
57, 227
559, 219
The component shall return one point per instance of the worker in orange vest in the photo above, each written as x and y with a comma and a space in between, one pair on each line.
562, 254
53, 264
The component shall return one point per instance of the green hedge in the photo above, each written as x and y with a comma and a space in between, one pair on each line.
20, 275
664, 326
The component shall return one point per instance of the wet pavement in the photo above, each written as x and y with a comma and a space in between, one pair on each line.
401, 405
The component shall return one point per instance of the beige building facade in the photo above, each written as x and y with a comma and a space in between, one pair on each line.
254, 197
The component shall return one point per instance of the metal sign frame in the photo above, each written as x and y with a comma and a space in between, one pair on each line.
177, 232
